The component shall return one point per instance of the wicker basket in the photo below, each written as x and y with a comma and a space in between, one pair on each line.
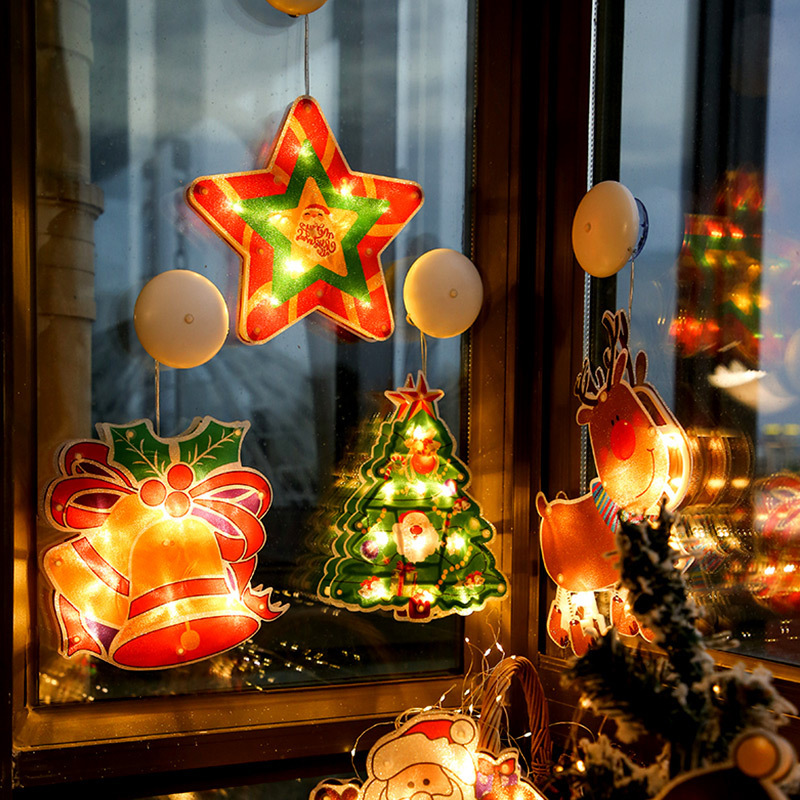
493, 713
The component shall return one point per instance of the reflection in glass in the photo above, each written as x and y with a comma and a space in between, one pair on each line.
712, 154
138, 99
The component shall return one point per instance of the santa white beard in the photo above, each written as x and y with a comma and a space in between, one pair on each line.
415, 537
381, 790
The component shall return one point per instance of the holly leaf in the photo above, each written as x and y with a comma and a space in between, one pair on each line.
137, 449
213, 445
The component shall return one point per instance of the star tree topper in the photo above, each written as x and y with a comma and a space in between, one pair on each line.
309, 231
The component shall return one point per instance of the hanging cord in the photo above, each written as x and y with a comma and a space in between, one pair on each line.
305, 18
158, 399
423, 351
630, 297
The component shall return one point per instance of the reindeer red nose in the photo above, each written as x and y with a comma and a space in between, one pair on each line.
623, 439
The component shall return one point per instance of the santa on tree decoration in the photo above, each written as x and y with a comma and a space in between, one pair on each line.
410, 539
165, 534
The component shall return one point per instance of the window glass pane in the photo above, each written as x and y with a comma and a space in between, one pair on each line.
136, 99
708, 144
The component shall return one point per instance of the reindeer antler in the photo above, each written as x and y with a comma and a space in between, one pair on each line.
587, 389
617, 359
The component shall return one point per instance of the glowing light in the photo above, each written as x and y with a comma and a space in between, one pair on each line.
585, 599
388, 490
789, 568
381, 537
170, 497
449, 488
455, 543
295, 266
419, 487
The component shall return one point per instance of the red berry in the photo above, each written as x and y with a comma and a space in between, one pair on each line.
153, 492
180, 476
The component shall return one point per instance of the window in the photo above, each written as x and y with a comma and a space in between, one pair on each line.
711, 154
133, 101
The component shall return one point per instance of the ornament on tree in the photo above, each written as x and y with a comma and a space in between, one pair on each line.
642, 456
410, 539
166, 533
449, 755
760, 759
309, 231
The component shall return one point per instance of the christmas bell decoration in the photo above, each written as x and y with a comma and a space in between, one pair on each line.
166, 533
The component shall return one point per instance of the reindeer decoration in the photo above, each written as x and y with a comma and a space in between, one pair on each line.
642, 457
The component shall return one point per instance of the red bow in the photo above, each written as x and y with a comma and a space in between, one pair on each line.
231, 502
506, 767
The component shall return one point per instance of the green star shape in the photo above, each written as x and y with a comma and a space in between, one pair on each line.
256, 213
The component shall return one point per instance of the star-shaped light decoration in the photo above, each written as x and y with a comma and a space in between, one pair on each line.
309, 231
412, 398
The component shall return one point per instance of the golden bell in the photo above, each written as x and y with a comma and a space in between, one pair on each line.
91, 569
184, 603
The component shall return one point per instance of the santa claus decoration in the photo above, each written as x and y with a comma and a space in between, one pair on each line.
430, 757
415, 536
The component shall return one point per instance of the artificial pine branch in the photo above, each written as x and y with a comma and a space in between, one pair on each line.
680, 697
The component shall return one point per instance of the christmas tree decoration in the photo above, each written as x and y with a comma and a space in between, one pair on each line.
181, 319
295, 8
165, 536
609, 229
410, 539
721, 300
699, 712
448, 754
309, 231
759, 760
443, 293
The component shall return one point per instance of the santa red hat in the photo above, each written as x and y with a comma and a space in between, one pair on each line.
447, 740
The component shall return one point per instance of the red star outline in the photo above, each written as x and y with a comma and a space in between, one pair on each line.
412, 398
261, 316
